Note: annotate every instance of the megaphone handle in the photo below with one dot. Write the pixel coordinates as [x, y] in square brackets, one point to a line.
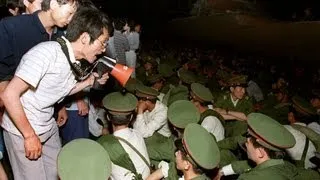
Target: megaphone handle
[100, 70]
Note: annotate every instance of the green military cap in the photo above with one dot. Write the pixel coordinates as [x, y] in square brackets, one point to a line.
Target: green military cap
[313, 136]
[183, 112]
[186, 76]
[165, 70]
[154, 78]
[221, 74]
[146, 92]
[199, 146]
[118, 102]
[303, 106]
[83, 159]
[238, 80]
[269, 133]
[131, 84]
[201, 93]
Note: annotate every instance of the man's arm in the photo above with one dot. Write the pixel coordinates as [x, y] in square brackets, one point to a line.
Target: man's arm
[89, 82]
[11, 100]
[147, 129]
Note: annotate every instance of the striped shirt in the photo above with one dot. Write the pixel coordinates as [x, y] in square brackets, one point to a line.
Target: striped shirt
[121, 45]
[46, 69]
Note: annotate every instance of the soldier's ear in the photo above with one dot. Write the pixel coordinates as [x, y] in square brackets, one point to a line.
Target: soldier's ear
[231, 89]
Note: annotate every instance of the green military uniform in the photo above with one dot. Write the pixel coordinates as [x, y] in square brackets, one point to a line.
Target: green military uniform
[271, 135]
[131, 85]
[83, 159]
[200, 148]
[118, 103]
[171, 78]
[244, 105]
[203, 95]
[141, 73]
[159, 146]
[276, 110]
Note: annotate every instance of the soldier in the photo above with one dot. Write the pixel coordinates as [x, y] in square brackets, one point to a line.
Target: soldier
[278, 111]
[181, 113]
[152, 114]
[126, 146]
[304, 149]
[152, 123]
[267, 138]
[83, 159]
[157, 81]
[235, 106]
[212, 121]
[148, 68]
[181, 91]
[196, 153]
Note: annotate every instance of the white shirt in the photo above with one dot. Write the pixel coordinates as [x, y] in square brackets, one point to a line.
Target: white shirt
[134, 138]
[254, 91]
[46, 69]
[314, 126]
[94, 114]
[213, 126]
[297, 150]
[154, 121]
[234, 102]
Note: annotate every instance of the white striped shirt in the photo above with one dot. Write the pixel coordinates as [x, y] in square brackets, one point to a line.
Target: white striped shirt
[46, 69]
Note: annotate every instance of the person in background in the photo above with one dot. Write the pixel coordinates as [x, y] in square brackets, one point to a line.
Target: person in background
[14, 7]
[134, 41]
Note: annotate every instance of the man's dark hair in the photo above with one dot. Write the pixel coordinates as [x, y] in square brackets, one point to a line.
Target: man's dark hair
[88, 20]
[196, 169]
[118, 24]
[272, 154]
[45, 5]
[13, 4]
[119, 120]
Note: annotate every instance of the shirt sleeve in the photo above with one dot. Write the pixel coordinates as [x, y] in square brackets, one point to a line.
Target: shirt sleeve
[214, 126]
[148, 126]
[121, 173]
[34, 64]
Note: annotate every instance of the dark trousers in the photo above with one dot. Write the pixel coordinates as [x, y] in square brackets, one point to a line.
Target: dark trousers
[76, 127]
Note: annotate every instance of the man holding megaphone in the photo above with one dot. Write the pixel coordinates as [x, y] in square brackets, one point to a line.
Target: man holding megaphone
[46, 75]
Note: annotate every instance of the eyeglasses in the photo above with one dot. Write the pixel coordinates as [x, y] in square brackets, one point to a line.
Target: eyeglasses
[103, 44]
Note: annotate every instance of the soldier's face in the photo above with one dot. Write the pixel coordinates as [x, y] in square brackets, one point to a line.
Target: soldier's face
[238, 92]
[315, 103]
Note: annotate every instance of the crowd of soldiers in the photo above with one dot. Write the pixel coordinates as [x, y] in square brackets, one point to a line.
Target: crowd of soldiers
[191, 116]
[185, 114]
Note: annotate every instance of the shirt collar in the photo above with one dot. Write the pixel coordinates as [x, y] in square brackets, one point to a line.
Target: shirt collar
[234, 102]
[122, 132]
[38, 22]
[70, 51]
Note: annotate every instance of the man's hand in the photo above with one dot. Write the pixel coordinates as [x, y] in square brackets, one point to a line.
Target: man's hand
[62, 116]
[142, 106]
[105, 131]
[95, 76]
[33, 147]
[83, 108]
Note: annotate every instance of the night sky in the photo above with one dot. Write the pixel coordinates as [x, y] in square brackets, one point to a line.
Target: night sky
[162, 10]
